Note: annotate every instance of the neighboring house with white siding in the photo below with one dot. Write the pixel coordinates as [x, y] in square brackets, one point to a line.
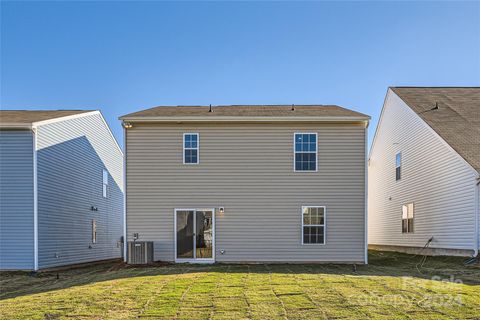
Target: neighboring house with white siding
[61, 189]
[424, 169]
[247, 183]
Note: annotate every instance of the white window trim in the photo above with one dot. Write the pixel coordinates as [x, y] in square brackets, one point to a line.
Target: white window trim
[197, 148]
[295, 152]
[94, 231]
[413, 217]
[193, 260]
[398, 166]
[105, 184]
[324, 225]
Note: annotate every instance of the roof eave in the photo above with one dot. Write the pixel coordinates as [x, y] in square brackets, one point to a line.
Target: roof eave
[16, 126]
[245, 119]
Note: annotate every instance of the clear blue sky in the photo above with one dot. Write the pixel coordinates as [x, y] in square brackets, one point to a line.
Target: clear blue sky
[121, 57]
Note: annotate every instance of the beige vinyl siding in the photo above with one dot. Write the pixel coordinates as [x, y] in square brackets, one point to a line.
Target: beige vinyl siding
[436, 179]
[248, 169]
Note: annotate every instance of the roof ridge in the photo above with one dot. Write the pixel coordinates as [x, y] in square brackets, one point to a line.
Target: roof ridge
[252, 105]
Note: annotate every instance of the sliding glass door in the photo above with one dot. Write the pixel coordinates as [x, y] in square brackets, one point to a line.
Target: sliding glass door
[194, 231]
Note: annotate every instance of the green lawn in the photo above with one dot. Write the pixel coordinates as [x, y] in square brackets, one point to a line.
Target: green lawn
[390, 287]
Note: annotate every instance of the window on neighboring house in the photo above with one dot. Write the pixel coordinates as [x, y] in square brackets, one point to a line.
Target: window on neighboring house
[105, 183]
[313, 225]
[305, 152]
[398, 166]
[407, 218]
[94, 231]
[190, 148]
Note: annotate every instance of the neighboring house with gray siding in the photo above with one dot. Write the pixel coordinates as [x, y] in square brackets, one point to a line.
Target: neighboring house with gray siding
[424, 170]
[247, 183]
[61, 189]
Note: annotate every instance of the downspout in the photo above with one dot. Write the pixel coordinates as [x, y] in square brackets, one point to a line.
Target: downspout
[35, 202]
[124, 194]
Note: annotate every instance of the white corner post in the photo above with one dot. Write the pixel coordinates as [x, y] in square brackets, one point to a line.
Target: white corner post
[124, 194]
[366, 193]
[35, 202]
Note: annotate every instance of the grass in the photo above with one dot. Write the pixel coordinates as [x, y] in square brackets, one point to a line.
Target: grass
[389, 287]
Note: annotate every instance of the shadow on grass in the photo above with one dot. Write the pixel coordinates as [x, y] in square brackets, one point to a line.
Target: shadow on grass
[381, 264]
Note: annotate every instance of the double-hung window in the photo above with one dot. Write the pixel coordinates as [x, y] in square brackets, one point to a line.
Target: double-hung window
[407, 218]
[105, 183]
[398, 166]
[305, 150]
[313, 225]
[190, 148]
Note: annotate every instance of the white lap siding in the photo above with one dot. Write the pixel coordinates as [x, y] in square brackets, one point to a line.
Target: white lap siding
[71, 157]
[433, 176]
[16, 200]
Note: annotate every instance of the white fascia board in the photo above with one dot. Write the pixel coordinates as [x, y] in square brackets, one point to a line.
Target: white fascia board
[385, 101]
[111, 133]
[27, 126]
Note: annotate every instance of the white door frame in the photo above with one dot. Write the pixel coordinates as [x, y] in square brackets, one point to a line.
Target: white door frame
[194, 259]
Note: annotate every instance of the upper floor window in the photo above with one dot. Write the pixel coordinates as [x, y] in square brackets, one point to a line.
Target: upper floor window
[105, 183]
[313, 225]
[190, 148]
[398, 166]
[305, 152]
[407, 218]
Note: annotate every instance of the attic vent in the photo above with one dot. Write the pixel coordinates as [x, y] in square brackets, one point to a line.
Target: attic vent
[431, 109]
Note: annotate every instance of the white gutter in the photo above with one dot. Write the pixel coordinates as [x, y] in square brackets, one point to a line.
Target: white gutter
[125, 195]
[245, 119]
[35, 202]
[4, 125]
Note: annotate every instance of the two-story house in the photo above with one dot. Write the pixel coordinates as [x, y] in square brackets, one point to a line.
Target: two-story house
[247, 183]
[61, 189]
[424, 172]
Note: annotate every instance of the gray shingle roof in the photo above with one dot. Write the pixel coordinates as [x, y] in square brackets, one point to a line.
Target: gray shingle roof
[31, 116]
[246, 111]
[457, 119]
